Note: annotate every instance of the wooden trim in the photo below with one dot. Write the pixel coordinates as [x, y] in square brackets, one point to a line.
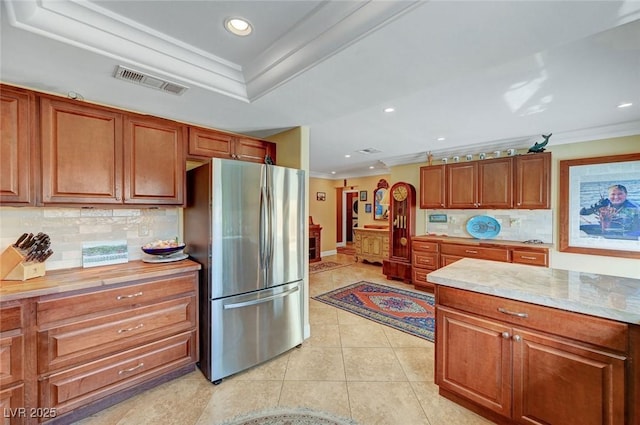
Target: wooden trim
[564, 205]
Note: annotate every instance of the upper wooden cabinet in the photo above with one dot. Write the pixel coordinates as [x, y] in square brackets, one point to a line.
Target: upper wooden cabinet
[217, 144]
[98, 155]
[432, 187]
[16, 147]
[154, 161]
[502, 183]
[533, 180]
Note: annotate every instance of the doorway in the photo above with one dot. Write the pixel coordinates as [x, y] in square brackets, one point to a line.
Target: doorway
[350, 215]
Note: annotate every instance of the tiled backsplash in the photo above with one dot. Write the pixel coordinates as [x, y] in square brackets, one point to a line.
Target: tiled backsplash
[515, 225]
[68, 228]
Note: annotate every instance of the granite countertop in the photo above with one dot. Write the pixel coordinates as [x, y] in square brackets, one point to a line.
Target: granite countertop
[610, 297]
[59, 281]
[481, 242]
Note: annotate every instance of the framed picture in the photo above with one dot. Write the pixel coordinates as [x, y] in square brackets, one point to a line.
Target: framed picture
[600, 205]
[363, 195]
[321, 196]
[367, 208]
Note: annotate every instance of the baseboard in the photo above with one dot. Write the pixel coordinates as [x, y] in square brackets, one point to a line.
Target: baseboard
[327, 253]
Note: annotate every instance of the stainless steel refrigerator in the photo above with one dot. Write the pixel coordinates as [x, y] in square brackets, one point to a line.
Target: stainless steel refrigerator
[244, 223]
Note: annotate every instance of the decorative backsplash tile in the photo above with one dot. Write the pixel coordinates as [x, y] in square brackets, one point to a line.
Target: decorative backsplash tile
[68, 228]
[515, 225]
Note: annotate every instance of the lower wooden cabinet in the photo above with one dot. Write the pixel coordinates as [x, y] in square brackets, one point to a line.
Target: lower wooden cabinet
[530, 375]
[425, 258]
[371, 245]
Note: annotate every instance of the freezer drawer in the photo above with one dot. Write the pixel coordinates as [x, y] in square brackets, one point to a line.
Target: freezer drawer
[252, 328]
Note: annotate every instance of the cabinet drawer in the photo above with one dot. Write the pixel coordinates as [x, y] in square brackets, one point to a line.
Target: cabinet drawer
[427, 261]
[420, 279]
[425, 246]
[534, 258]
[10, 317]
[126, 297]
[579, 327]
[11, 359]
[78, 386]
[471, 251]
[11, 400]
[85, 340]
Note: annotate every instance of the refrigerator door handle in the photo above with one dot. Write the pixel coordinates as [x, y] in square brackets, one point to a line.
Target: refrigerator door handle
[261, 300]
[264, 226]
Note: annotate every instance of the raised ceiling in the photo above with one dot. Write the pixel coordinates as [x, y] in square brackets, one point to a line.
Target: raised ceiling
[484, 75]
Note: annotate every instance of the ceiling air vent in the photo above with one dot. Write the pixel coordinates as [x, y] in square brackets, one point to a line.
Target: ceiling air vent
[368, 151]
[147, 80]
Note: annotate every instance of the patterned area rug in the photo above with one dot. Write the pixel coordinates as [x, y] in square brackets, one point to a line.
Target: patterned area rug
[407, 311]
[324, 266]
[289, 416]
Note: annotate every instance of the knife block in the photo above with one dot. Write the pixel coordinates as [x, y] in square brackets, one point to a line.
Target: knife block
[14, 267]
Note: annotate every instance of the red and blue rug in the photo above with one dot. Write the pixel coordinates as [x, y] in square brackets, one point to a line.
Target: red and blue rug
[407, 311]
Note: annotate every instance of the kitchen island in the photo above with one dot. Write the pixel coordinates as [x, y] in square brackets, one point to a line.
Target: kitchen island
[76, 341]
[525, 344]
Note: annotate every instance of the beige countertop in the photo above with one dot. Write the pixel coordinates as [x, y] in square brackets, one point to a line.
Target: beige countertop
[481, 242]
[59, 281]
[610, 297]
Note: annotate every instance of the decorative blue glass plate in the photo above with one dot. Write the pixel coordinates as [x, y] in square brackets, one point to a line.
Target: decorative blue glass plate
[483, 227]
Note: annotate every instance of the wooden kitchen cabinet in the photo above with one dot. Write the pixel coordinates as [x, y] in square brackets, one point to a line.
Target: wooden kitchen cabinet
[538, 365]
[480, 184]
[154, 161]
[533, 181]
[207, 143]
[17, 148]
[425, 258]
[372, 245]
[433, 187]
[12, 361]
[462, 185]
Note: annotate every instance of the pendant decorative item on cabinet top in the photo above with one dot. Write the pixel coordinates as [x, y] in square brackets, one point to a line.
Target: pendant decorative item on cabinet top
[402, 212]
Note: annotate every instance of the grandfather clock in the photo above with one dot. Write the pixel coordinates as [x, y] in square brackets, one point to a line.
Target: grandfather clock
[402, 219]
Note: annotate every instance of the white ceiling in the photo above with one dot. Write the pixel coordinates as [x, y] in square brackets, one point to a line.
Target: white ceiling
[485, 75]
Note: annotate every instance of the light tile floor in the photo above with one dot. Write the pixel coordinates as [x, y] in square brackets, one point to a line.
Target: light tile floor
[350, 366]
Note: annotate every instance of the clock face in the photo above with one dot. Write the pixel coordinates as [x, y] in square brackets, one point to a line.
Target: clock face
[400, 193]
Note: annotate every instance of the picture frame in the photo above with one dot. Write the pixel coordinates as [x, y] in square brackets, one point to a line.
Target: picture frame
[321, 196]
[367, 208]
[363, 195]
[600, 206]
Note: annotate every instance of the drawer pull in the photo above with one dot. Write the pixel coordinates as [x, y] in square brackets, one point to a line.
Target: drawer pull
[517, 338]
[512, 313]
[122, 297]
[131, 369]
[506, 335]
[121, 331]
[528, 257]
[470, 251]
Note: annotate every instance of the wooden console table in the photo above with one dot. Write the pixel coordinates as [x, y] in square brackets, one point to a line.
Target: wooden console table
[372, 245]
[315, 245]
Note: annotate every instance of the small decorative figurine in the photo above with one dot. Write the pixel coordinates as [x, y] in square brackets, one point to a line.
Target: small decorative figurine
[539, 147]
[430, 158]
[268, 160]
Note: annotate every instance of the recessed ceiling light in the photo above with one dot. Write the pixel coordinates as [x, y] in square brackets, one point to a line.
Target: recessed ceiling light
[333, 172]
[371, 167]
[440, 139]
[238, 26]
[389, 109]
[347, 156]
[625, 105]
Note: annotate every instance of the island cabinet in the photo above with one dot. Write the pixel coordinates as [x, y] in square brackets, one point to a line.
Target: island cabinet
[17, 149]
[516, 362]
[206, 143]
[372, 245]
[97, 155]
[12, 361]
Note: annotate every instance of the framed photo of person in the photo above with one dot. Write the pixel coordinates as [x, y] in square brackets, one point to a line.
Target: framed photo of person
[321, 196]
[600, 205]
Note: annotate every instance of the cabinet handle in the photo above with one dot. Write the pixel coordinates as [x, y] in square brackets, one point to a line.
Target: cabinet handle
[121, 331]
[527, 257]
[470, 251]
[517, 338]
[506, 335]
[512, 313]
[122, 297]
[131, 369]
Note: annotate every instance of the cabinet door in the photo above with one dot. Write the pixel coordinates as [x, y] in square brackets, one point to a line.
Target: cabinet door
[81, 153]
[533, 177]
[557, 382]
[154, 161]
[462, 185]
[474, 359]
[495, 183]
[432, 187]
[253, 150]
[16, 115]
[210, 143]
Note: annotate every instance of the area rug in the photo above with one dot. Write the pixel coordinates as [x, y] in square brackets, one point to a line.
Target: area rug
[407, 311]
[324, 266]
[289, 416]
